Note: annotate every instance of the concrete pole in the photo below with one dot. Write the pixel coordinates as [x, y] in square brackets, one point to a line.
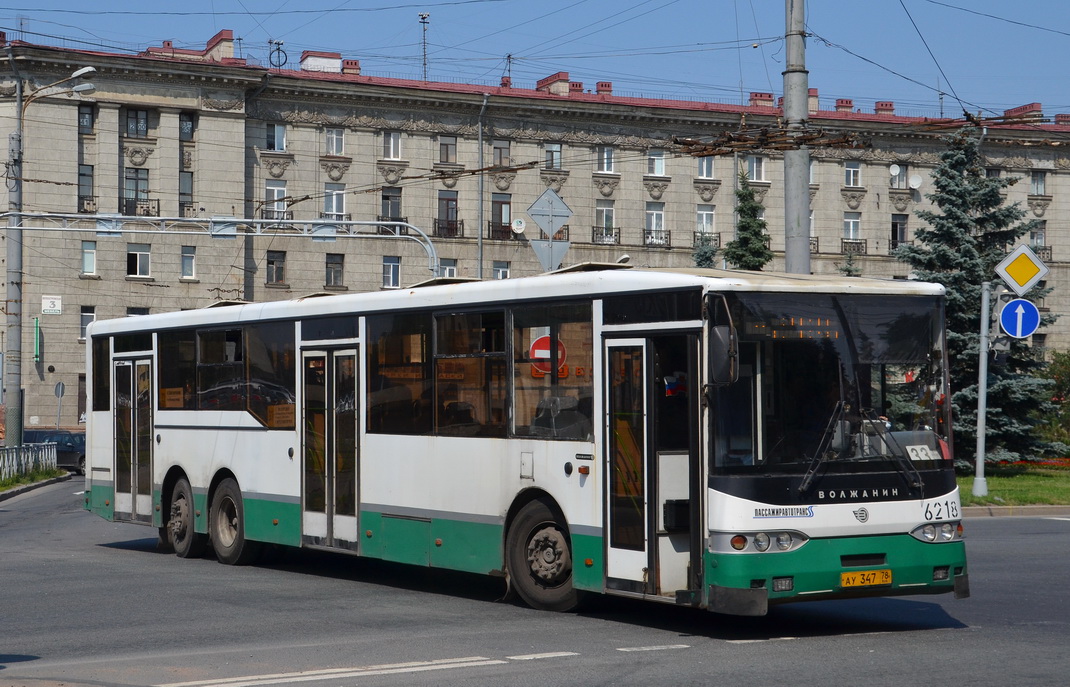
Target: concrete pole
[980, 485]
[482, 174]
[796, 162]
[13, 355]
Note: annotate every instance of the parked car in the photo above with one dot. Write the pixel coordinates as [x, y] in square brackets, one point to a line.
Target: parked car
[70, 446]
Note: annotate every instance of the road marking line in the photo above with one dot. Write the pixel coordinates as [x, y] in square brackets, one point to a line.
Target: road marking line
[664, 647]
[312, 675]
[760, 641]
[1063, 519]
[532, 657]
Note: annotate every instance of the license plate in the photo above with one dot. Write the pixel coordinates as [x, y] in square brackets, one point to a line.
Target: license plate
[866, 578]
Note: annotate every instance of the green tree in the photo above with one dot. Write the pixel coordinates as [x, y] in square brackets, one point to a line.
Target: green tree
[750, 249]
[705, 251]
[1058, 427]
[967, 235]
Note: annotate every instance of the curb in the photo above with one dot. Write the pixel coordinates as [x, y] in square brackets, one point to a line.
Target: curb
[1015, 511]
[23, 488]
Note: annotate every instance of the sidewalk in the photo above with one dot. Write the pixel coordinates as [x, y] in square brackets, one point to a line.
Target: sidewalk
[1008, 511]
[23, 488]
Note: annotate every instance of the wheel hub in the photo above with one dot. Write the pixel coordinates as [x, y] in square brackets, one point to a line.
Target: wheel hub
[549, 556]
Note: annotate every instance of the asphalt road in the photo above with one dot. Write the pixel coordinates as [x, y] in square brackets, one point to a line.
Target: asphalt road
[87, 602]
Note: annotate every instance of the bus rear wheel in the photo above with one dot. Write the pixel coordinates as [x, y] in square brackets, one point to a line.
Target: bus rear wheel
[180, 534]
[539, 558]
[227, 518]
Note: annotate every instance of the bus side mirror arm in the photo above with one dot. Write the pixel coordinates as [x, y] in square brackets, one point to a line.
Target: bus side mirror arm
[724, 361]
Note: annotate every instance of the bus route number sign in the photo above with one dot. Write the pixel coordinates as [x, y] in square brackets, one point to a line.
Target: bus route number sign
[539, 354]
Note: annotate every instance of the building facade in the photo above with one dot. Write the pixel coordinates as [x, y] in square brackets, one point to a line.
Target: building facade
[193, 177]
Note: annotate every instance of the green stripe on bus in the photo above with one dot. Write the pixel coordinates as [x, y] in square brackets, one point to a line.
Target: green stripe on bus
[816, 566]
[436, 542]
[589, 577]
[102, 500]
[274, 522]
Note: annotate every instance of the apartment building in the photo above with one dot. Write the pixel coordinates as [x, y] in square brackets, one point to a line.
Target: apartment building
[190, 177]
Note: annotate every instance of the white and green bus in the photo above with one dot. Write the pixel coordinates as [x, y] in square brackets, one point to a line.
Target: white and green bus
[726, 440]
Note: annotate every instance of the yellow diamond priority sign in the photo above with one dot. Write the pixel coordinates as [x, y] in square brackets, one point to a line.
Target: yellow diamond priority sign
[1021, 270]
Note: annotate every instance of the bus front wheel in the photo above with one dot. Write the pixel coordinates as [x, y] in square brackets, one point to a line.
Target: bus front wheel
[539, 558]
[180, 534]
[228, 526]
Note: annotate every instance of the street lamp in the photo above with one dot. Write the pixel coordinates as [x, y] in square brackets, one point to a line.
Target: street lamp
[13, 420]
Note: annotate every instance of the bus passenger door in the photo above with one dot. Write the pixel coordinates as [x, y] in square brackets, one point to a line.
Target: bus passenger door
[133, 439]
[652, 466]
[628, 552]
[329, 448]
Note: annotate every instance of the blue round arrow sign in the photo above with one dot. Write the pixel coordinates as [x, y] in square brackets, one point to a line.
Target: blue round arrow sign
[1019, 318]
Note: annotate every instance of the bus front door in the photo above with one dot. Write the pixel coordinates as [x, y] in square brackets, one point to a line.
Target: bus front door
[652, 504]
[133, 440]
[329, 448]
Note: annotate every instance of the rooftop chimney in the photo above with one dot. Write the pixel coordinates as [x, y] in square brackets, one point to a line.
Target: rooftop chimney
[885, 107]
[220, 46]
[811, 101]
[351, 67]
[604, 88]
[1030, 111]
[507, 82]
[845, 105]
[1063, 119]
[555, 84]
[317, 61]
[761, 99]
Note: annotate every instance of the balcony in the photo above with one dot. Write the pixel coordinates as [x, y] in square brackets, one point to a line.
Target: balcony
[713, 238]
[815, 246]
[1043, 252]
[502, 231]
[87, 205]
[336, 216]
[139, 207]
[449, 228]
[605, 236]
[274, 213]
[895, 243]
[187, 208]
[656, 238]
[853, 246]
[392, 230]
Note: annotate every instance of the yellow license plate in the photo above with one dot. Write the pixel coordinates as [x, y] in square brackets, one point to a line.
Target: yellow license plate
[866, 578]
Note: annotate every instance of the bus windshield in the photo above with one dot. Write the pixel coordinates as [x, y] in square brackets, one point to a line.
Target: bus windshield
[852, 381]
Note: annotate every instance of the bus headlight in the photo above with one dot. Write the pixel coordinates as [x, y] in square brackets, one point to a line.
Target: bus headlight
[761, 541]
[928, 533]
[938, 532]
[783, 541]
[947, 532]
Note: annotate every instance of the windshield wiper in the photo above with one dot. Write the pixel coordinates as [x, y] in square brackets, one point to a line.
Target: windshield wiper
[835, 427]
[898, 455]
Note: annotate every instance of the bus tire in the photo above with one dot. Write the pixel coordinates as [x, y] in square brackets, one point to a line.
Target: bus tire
[186, 542]
[539, 558]
[227, 518]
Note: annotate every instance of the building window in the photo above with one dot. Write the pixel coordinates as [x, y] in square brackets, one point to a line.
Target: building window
[993, 172]
[391, 271]
[86, 119]
[185, 194]
[335, 140]
[189, 262]
[604, 158]
[391, 145]
[501, 214]
[852, 225]
[391, 204]
[500, 153]
[603, 214]
[755, 168]
[449, 267]
[900, 179]
[705, 167]
[137, 260]
[136, 312]
[135, 191]
[1038, 234]
[334, 201]
[89, 257]
[447, 149]
[274, 203]
[852, 173]
[655, 225]
[500, 269]
[335, 269]
[86, 199]
[655, 163]
[276, 267]
[553, 155]
[185, 126]
[276, 137]
[899, 230]
[137, 123]
[447, 212]
[1038, 182]
[704, 223]
[89, 314]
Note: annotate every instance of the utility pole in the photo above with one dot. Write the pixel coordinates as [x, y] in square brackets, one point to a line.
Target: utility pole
[796, 161]
[424, 21]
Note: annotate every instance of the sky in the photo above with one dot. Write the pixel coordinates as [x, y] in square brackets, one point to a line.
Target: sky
[930, 57]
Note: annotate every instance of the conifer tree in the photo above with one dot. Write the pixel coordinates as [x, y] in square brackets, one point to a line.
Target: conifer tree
[967, 235]
[705, 251]
[750, 249]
